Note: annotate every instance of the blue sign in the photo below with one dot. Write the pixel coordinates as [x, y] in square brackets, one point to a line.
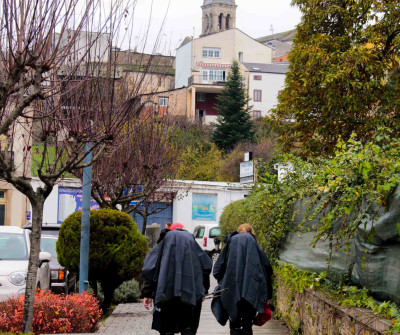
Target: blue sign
[204, 207]
[70, 201]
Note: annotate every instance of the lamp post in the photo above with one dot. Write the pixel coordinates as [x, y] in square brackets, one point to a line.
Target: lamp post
[85, 222]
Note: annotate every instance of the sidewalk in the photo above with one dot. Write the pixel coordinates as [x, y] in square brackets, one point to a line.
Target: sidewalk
[134, 319]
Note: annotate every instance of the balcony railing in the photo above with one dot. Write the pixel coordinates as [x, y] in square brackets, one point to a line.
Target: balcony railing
[207, 80]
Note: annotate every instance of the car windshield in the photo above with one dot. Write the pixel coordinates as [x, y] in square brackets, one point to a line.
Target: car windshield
[13, 247]
[49, 245]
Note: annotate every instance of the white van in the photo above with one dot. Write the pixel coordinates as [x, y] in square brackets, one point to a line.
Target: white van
[205, 236]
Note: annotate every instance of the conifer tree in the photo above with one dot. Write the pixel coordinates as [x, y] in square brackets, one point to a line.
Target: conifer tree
[234, 124]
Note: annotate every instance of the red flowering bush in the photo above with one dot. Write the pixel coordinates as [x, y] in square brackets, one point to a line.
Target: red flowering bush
[76, 313]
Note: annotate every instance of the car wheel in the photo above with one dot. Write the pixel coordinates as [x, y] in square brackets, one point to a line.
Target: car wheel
[214, 256]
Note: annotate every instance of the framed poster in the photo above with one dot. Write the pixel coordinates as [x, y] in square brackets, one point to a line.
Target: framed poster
[69, 201]
[204, 207]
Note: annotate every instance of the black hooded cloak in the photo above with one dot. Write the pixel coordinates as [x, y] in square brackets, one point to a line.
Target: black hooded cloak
[243, 271]
[178, 267]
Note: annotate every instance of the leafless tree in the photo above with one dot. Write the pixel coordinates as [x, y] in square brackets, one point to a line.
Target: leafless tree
[136, 169]
[57, 93]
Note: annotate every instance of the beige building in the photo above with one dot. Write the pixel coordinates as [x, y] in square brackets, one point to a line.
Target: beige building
[14, 206]
[202, 65]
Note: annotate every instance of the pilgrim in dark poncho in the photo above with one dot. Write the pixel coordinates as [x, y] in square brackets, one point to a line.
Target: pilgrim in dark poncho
[243, 272]
[176, 277]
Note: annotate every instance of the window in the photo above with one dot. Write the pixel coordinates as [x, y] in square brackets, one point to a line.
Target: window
[200, 114]
[199, 232]
[201, 97]
[257, 77]
[213, 75]
[211, 52]
[240, 56]
[215, 232]
[256, 114]
[163, 102]
[257, 95]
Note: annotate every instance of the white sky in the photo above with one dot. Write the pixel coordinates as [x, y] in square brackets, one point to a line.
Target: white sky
[254, 17]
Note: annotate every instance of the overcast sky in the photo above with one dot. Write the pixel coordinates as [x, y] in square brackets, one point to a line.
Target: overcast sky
[254, 17]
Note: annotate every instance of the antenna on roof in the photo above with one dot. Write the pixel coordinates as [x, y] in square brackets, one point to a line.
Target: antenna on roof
[272, 29]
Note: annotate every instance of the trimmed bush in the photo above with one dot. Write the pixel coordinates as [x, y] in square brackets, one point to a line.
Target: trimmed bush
[233, 216]
[117, 249]
[76, 313]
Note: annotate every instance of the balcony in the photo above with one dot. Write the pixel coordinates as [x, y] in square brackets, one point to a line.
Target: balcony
[207, 80]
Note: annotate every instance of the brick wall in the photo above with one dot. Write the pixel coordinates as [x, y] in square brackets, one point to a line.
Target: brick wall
[311, 312]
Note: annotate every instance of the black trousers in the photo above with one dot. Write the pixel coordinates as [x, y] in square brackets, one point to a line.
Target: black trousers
[244, 321]
[175, 316]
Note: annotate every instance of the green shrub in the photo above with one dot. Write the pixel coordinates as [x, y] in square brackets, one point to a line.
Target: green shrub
[233, 216]
[117, 249]
[126, 293]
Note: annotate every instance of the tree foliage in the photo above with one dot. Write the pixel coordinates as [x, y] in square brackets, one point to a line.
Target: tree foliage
[234, 123]
[344, 74]
[117, 249]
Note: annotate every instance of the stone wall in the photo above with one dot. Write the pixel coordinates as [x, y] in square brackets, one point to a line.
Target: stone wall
[311, 312]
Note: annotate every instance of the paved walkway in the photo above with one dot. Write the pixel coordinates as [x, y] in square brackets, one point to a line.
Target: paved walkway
[134, 319]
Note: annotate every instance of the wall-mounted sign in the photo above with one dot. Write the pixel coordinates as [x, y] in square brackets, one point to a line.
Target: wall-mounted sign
[204, 207]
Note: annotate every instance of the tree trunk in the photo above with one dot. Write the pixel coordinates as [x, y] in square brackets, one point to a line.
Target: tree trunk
[144, 222]
[108, 291]
[37, 217]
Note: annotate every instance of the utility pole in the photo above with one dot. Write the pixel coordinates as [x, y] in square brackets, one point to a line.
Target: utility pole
[85, 222]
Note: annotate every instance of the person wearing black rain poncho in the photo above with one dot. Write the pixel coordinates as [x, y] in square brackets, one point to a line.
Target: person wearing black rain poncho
[176, 277]
[243, 272]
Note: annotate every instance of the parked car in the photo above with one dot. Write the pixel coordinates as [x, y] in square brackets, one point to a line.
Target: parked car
[14, 259]
[207, 236]
[62, 280]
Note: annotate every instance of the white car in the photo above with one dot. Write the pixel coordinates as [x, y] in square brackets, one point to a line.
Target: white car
[206, 236]
[14, 258]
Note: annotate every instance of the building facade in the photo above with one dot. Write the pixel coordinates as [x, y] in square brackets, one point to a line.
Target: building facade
[264, 83]
[203, 64]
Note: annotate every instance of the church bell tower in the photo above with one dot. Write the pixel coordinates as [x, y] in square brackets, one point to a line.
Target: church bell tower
[218, 15]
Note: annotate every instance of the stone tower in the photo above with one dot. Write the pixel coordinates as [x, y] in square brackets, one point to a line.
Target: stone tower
[218, 15]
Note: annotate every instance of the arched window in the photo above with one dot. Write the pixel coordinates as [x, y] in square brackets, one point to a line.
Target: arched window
[228, 18]
[220, 21]
[207, 23]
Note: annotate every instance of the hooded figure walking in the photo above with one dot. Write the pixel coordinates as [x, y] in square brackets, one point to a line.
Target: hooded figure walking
[244, 273]
[176, 277]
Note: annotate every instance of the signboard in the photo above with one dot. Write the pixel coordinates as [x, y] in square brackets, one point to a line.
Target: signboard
[69, 201]
[204, 207]
[28, 215]
[247, 172]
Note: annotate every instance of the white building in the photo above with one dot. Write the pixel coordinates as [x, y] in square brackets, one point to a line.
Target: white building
[196, 202]
[265, 81]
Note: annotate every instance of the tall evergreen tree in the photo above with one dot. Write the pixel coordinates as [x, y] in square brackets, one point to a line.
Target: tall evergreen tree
[234, 124]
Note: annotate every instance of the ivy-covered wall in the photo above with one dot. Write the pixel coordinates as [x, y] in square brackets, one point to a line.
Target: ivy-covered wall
[339, 216]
